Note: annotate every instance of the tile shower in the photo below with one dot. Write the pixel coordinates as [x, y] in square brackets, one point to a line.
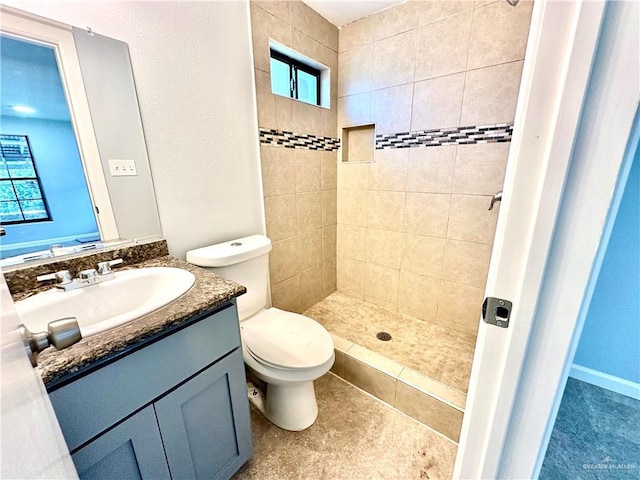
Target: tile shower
[401, 239]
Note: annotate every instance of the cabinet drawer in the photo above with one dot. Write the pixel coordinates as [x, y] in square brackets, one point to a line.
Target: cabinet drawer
[93, 403]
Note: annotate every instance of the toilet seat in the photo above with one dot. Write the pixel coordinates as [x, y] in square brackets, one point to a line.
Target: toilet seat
[286, 340]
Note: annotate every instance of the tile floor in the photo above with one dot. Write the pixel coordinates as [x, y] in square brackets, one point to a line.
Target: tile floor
[355, 437]
[596, 435]
[440, 353]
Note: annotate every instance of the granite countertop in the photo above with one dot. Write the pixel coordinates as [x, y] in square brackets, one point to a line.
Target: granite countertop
[208, 292]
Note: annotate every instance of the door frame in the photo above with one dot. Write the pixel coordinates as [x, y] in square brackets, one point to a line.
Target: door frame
[548, 233]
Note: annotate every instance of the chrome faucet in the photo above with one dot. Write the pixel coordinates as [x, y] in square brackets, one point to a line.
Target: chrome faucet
[90, 276]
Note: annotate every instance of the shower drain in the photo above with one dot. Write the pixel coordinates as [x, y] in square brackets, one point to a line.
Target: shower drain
[384, 336]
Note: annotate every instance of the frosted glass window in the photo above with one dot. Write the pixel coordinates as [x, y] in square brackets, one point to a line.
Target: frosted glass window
[294, 79]
[280, 78]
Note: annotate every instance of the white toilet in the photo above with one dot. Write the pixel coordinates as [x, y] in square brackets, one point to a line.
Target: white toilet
[286, 350]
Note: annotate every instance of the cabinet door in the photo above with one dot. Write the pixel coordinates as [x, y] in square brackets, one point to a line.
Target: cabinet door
[205, 422]
[130, 450]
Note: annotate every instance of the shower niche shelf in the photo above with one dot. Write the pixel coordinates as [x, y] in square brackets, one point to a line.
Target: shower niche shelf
[358, 143]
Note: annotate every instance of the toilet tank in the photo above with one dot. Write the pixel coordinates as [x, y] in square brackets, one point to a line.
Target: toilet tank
[244, 261]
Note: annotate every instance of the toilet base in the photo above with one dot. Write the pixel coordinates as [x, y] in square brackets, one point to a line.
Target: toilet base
[291, 407]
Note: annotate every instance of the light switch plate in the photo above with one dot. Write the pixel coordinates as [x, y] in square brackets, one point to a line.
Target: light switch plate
[122, 168]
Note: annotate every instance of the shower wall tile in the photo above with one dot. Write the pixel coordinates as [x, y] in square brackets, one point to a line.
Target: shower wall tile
[381, 283]
[311, 286]
[308, 20]
[395, 20]
[394, 60]
[434, 10]
[301, 42]
[466, 263]
[329, 207]
[279, 9]
[460, 305]
[307, 118]
[437, 102]
[310, 249]
[383, 247]
[423, 255]
[307, 167]
[354, 74]
[418, 293]
[470, 219]
[329, 235]
[356, 34]
[284, 260]
[309, 208]
[329, 118]
[428, 410]
[354, 110]
[443, 47]
[353, 175]
[389, 171]
[329, 276]
[280, 212]
[385, 210]
[499, 33]
[278, 170]
[351, 241]
[284, 113]
[491, 94]
[265, 100]
[480, 168]
[263, 27]
[391, 109]
[427, 214]
[436, 65]
[431, 169]
[286, 294]
[329, 170]
[299, 184]
[350, 276]
[350, 207]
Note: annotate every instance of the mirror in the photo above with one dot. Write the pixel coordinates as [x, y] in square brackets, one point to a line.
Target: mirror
[97, 81]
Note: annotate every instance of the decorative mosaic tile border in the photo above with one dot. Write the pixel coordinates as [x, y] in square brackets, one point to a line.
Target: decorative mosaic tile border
[500, 132]
[298, 140]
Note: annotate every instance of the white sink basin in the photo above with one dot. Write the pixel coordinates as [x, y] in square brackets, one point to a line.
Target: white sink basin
[100, 307]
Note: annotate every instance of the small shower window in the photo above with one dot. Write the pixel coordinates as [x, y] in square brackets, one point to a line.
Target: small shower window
[295, 76]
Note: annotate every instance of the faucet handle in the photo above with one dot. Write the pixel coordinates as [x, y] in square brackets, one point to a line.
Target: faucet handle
[63, 277]
[104, 268]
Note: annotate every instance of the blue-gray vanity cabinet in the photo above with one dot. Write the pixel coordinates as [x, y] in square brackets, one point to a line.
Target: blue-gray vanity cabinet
[176, 408]
[132, 449]
[201, 422]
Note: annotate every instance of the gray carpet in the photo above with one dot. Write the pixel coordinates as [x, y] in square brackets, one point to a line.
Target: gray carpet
[596, 436]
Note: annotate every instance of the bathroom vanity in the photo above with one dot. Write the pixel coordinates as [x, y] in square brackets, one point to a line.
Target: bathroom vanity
[176, 408]
[163, 396]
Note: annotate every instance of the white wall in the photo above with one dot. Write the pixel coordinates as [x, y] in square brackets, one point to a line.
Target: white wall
[193, 73]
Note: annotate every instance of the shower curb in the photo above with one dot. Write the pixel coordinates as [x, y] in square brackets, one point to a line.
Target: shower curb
[428, 401]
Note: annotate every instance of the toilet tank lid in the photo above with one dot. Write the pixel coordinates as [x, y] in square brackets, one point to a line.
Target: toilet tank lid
[230, 252]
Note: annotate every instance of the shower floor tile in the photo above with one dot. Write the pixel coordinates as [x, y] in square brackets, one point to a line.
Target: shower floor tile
[440, 353]
[355, 437]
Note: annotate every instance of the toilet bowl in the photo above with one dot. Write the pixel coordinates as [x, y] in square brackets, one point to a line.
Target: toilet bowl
[285, 350]
[288, 352]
